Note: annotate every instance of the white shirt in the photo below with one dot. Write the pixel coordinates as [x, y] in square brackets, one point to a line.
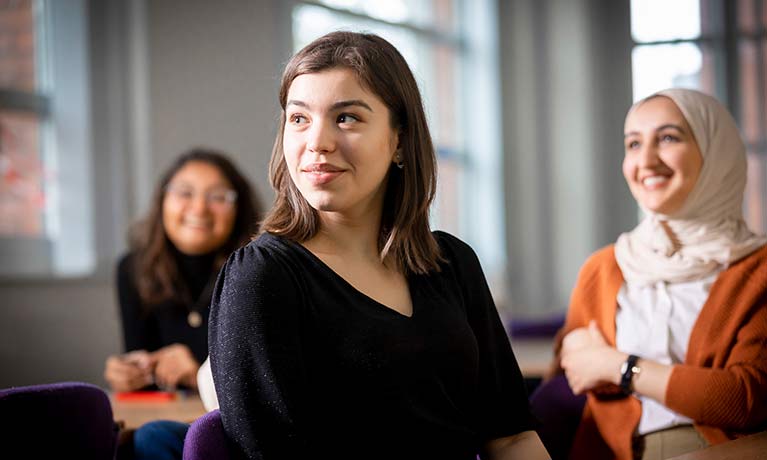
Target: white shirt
[654, 322]
[205, 386]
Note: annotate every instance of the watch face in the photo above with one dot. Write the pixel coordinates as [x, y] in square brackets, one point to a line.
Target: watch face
[628, 369]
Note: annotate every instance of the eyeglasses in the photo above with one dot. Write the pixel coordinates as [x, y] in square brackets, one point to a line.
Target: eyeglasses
[216, 198]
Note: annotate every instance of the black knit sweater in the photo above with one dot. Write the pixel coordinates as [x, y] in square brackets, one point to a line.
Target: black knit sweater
[153, 326]
[306, 366]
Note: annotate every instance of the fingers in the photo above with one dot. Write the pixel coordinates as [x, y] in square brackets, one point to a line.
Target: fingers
[596, 334]
[124, 375]
[175, 366]
[141, 358]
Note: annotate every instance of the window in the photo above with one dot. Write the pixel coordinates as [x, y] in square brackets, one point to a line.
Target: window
[716, 46]
[45, 221]
[441, 40]
[23, 110]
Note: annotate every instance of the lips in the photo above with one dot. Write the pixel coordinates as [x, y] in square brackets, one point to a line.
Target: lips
[655, 181]
[200, 224]
[322, 173]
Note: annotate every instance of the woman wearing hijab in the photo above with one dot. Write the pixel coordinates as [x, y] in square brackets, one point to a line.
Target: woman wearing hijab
[667, 328]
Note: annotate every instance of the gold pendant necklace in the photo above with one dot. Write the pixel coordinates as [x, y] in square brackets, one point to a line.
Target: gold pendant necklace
[194, 319]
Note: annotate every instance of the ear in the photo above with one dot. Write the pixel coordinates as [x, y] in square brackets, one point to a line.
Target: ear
[397, 154]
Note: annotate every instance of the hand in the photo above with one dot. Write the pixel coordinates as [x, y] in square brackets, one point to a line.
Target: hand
[588, 361]
[583, 337]
[175, 366]
[130, 371]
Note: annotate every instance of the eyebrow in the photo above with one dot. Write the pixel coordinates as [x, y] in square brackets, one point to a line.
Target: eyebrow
[659, 128]
[336, 105]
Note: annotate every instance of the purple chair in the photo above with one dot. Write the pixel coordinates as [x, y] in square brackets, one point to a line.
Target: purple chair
[559, 412]
[206, 439]
[58, 420]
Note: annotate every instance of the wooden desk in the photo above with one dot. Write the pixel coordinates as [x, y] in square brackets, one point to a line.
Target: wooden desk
[752, 447]
[185, 408]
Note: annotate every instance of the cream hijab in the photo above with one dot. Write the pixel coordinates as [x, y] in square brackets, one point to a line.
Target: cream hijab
[707, 233]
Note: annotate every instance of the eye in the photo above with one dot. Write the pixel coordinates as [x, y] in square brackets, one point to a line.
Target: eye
[297, 119]
[347, 118]
[668, 138]
[631, 145]
[181, 192]
[217, 197]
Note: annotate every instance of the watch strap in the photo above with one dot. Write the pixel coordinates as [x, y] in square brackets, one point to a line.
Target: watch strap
[628, 370]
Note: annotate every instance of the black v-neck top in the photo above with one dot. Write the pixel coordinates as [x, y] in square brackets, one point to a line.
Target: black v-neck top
[307, 366]
[153, 326]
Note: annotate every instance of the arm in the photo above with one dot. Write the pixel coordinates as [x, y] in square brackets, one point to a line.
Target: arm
[138, 332]
[133, 370]
[525, 445]
[734, 396]
[732, 393]
[503, 407]
[598, 282]
[590, 363]
[256, 355]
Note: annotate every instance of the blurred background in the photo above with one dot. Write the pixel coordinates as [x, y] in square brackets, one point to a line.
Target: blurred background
[526, 101]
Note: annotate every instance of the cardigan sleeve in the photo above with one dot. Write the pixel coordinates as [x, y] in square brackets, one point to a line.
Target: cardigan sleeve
[733, 396]
[503, 401]
[256, 357]
[591, 299]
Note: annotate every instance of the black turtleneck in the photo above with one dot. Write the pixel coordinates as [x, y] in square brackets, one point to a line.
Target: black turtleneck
[151, 327]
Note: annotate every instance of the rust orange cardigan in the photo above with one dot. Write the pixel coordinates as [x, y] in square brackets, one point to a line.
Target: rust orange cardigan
[721, 386]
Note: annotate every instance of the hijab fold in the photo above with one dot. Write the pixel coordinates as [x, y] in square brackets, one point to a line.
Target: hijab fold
[708, 232]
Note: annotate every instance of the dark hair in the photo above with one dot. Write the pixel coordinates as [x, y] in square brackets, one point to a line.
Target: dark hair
[157, 276]
[405, 238]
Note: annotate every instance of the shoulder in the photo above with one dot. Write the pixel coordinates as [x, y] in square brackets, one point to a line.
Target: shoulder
[265, 259]
[125, 262]
[126, 269]
[750, 262]
[261, 276]
[746, 274]
[601, 261]
[453, 249]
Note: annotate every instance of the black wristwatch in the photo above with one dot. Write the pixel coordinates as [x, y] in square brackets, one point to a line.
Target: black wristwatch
[628, 370]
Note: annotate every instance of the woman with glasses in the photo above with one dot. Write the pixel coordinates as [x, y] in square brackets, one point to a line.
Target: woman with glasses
[203, 209]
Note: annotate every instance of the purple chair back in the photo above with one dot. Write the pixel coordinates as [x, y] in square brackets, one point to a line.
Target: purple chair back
[58, 420]
[559, 412]
[206, 439]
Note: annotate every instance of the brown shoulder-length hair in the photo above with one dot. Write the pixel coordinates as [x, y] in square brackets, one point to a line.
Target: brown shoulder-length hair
[405, 238]
[154, 266]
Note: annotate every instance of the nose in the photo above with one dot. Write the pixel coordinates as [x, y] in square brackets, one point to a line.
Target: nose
[648, 155]
[199, 203]
[321, 137]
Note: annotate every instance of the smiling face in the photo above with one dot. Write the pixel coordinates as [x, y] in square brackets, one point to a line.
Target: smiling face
[338, 143]
[662, 161]
[198, 209]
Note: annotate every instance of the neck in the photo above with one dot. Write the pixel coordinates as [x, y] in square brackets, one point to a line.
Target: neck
[347, 237]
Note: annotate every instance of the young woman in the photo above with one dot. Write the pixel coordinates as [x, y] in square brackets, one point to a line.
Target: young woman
[348, 329]
[203, 209]
[667, 329]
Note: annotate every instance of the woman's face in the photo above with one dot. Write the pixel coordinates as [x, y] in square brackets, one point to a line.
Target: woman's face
[662, 161]
[199, 208]
[338, 143]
